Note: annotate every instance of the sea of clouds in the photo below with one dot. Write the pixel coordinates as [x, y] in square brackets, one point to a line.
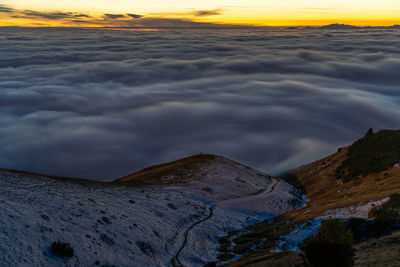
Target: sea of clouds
[100, 104]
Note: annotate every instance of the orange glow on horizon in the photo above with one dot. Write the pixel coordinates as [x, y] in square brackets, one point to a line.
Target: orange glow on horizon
[320, 22]
[278, 15]
[233, 22]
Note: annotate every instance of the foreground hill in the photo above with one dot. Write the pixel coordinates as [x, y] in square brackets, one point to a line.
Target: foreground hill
[346, 184]
[223, 181]
[167, 215]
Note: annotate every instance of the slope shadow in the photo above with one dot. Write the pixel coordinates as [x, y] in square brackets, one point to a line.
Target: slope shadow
[294, 181]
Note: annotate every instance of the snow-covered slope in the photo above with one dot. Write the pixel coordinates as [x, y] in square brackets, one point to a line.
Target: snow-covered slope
[143, 225]
[226, 182]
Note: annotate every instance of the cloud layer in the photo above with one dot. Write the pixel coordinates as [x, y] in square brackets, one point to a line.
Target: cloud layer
[100, 103]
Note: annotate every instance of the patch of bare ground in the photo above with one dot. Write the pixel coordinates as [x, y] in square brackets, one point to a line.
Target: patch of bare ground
[384, 251]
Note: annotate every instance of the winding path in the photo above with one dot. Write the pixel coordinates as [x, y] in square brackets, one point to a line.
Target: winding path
[266, 191]
[273, 187]
[175, 260]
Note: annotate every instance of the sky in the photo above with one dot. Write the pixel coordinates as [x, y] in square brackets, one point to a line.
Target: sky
[102, 103]
[177, 13]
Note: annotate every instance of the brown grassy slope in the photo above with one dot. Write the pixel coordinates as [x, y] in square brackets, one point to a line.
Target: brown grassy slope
[324, 192]
[174, 172]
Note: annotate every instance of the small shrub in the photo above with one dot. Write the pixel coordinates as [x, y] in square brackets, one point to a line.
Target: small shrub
[389, 211]
[361, 229]
[145, 247]
[63, 250]
[395, 200]
[106, 220]
[207, 189]
[332, 246]
[365, 229]
[384, 214]
[108, 240]
[171, 206]
[45, 217]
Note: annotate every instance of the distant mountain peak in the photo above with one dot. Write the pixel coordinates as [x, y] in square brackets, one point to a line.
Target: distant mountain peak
[338, 26]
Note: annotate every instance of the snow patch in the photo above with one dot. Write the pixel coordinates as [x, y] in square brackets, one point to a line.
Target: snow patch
[305, 230]
[239, 256]
[360, 210]
[298, 235]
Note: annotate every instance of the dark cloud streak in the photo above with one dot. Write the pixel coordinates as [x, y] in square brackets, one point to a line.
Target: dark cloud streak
[114, 16]
[135, 16]
[6, 9]
[206, 13]
[53, 15]
[32, 14]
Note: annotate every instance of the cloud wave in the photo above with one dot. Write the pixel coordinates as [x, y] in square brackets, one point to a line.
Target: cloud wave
[101, 103]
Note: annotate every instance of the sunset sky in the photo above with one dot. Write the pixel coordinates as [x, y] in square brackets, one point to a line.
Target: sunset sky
[159, 13]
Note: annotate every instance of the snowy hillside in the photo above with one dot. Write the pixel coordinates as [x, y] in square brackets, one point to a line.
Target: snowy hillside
[226, 182]
[125, 225]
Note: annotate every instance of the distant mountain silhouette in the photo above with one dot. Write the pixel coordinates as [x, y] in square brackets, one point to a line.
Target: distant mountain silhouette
[338, 26]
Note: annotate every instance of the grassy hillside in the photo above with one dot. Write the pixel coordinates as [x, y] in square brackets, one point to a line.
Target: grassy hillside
[373, 153]
[179, 169]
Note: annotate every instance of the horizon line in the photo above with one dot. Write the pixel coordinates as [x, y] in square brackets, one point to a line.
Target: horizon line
[217, 26]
